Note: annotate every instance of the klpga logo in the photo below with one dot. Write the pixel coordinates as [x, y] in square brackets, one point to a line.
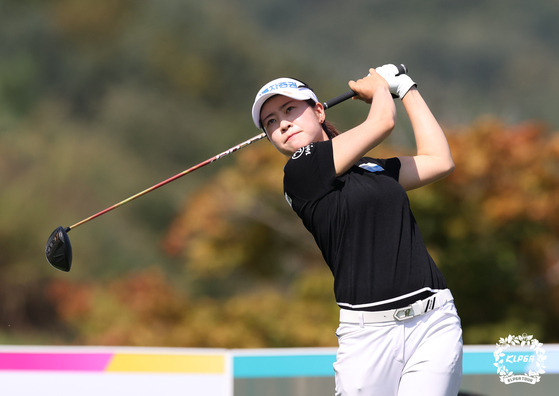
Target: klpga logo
[519, 359]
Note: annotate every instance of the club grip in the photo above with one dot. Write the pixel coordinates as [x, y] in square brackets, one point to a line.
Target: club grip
[402, 69]
[339, 99]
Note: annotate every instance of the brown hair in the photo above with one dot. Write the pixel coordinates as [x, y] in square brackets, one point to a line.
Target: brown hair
[330, 129]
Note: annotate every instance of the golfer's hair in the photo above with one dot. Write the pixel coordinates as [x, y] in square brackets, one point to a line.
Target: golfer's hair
[328, 128]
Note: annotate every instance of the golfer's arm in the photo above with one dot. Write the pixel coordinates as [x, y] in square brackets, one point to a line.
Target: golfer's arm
[433, 160]
[350, 146]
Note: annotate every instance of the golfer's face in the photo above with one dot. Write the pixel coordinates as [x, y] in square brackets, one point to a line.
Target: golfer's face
[292, 124]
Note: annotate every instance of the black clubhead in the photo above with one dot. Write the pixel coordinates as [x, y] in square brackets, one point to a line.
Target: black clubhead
[59, 250]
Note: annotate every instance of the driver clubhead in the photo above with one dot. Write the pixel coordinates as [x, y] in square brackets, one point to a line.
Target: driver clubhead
[58, 250]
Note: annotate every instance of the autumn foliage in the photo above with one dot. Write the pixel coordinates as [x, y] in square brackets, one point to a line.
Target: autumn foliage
[252, 276]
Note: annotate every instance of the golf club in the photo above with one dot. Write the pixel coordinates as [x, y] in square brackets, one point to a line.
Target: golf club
[58, 249]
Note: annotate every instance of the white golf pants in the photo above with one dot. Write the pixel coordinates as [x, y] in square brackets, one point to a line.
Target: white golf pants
[418, 356]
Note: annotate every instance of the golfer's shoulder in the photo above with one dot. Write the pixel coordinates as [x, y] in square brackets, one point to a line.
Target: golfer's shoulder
[310, 158]
[310, 171]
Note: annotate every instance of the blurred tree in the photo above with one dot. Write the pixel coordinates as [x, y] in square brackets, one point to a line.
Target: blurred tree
[146, 309]
[97, 100]
[251, 270]
[493, 226]
[240, 224]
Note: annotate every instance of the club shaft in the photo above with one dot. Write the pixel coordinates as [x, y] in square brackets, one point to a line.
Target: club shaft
[169, 180]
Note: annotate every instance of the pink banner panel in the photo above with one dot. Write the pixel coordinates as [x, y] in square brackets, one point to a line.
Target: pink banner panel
[55, 361]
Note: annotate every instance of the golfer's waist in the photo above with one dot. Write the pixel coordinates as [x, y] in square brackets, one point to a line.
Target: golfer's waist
[417, 308]
[370, 303]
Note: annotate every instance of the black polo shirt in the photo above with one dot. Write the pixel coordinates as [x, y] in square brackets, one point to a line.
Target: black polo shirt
[363, 224]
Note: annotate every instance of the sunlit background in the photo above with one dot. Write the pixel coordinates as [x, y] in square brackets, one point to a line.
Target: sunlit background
[101, 99]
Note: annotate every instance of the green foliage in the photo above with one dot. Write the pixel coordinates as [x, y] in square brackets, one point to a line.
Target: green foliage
[99, 100]
[493, 226]
[251, 270]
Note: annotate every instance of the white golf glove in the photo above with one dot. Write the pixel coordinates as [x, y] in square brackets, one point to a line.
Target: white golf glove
[399, 85]
[405, 83]
[388, 72]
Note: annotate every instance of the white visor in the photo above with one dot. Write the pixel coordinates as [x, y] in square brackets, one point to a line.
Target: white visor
[281, 86]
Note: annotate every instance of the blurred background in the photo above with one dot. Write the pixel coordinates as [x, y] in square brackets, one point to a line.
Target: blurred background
[99, 100]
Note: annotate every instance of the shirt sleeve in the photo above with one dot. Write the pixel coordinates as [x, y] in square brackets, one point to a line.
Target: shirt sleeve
[309, 174]
[391, 166]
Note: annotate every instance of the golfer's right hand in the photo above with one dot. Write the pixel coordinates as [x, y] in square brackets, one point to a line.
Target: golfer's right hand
[399, 84]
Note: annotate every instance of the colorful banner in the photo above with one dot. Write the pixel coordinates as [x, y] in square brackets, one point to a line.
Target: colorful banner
[92, 371]
[61, 371]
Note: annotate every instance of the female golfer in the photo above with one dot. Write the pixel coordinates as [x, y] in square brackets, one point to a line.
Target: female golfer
[399, 331]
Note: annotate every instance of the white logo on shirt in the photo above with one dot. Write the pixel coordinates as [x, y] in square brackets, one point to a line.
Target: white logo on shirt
[303, 150]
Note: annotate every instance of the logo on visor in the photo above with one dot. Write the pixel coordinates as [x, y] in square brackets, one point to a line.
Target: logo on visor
[281, 85]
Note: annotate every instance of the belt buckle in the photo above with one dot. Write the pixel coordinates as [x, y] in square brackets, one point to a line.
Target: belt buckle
[404, 313]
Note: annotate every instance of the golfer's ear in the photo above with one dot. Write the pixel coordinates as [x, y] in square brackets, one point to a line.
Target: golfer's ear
[320, 112]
